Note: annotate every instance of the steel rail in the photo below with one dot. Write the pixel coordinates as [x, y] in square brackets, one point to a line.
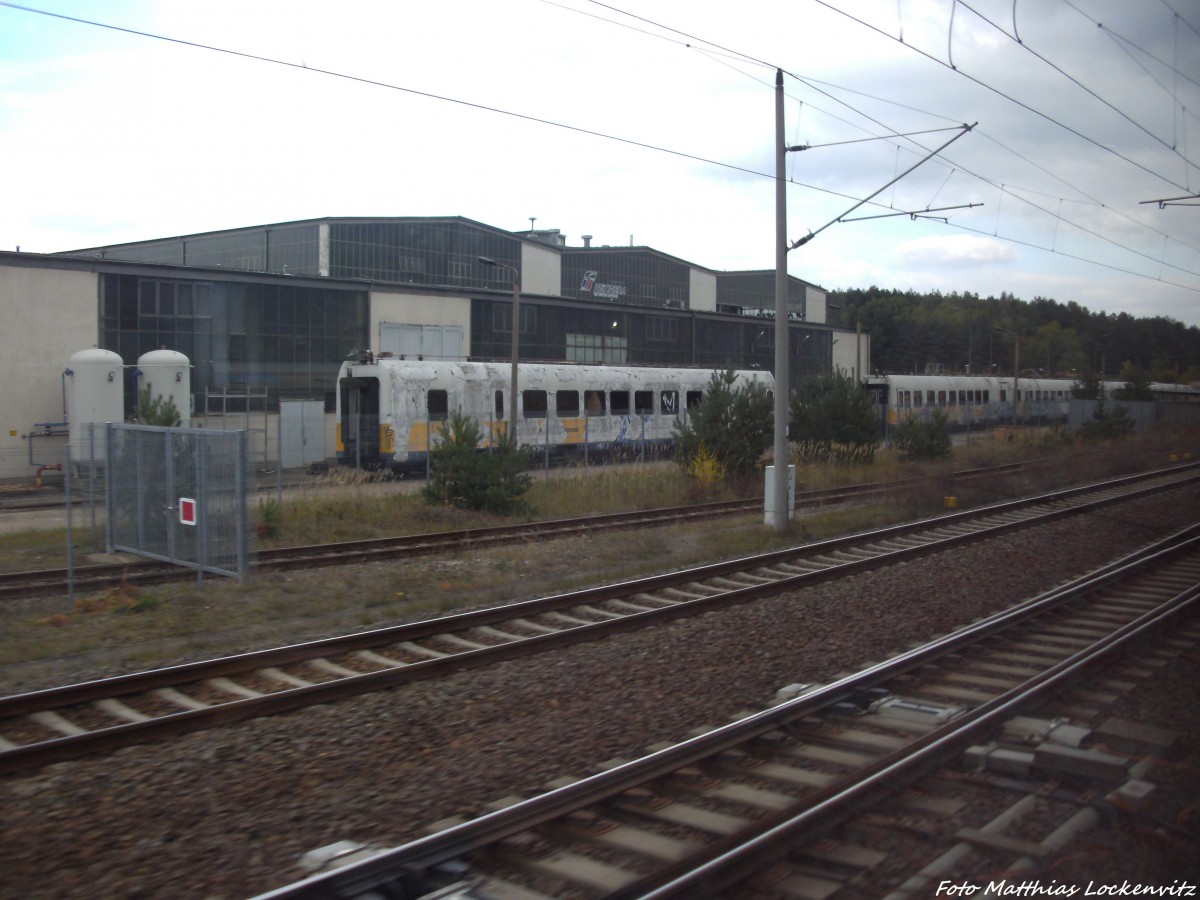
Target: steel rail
[727, 860]
[286, 700]
[14, 585]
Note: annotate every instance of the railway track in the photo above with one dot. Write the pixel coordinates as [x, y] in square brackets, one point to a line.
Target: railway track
[95, 578]
[76, 720]
[748, 808]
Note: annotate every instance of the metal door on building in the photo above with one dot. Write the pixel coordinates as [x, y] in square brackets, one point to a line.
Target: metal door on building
[301, 433]
[179, 495]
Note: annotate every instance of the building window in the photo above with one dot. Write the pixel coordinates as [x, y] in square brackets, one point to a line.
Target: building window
[240, 337]
[662, 329]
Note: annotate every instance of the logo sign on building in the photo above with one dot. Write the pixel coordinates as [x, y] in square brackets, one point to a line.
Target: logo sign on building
[601, 290]
[187, 511]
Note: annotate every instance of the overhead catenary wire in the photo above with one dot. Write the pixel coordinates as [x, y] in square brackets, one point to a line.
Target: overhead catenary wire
[1020, 103]
[711, 48]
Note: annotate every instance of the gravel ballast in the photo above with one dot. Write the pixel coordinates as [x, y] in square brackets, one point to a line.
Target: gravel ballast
[227, 813]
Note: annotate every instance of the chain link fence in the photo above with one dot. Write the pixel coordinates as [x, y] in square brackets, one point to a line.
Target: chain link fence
[178, 495]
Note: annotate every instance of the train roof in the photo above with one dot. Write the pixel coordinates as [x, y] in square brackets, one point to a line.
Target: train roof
[473, 370]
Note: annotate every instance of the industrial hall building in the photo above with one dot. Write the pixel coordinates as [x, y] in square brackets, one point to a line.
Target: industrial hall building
[267, 314]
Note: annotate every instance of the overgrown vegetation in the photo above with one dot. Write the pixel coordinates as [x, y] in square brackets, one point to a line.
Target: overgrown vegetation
[1107, 422]
[923, 439]
[729, 431]
[466, 477]
[833, 420]
[50, 640]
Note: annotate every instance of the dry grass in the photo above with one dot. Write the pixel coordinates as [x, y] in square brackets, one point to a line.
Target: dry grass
[52, 640]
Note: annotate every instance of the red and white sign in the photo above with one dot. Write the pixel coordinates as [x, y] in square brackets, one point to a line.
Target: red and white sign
[187, 511]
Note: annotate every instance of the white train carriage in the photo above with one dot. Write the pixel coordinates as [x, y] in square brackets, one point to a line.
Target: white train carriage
[977, 402]
[970, 401]
[390, 411]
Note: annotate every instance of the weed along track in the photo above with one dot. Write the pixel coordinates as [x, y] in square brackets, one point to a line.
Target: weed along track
[92, 578]
[72, 721]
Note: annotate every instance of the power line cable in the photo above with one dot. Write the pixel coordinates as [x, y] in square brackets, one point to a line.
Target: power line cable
[1079, 134]
[525, 117]
[1075, 81]
[810, 83]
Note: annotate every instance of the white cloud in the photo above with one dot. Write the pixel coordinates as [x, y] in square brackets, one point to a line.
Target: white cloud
[956, 250]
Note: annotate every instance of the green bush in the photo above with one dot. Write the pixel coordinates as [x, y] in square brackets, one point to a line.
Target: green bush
[1105, 425]
[918, 439]
[467, 477]
[733, 425]
[157, 411]
[833, 420]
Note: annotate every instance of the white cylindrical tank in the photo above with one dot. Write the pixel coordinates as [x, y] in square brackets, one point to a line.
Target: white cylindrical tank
[167, 374]
[95, 395]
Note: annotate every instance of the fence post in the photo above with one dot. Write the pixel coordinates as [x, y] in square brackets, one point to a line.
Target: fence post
[110, 502]
[241, 464]
[70, 533]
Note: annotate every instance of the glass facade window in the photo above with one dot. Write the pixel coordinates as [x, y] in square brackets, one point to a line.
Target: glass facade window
[632, 277]
[422, 252]
[287, 249]
[750, 291]
[286, 340]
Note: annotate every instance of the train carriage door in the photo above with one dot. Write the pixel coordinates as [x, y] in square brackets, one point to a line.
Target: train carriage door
[359, 426]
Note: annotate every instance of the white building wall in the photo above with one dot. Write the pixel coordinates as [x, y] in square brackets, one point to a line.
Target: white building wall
[541, 270]
[417, 309]
[816, 308]
[702, 291]
[47, 315]
[852, 354]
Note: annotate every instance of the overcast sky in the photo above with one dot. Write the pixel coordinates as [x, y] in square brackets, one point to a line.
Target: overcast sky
[649, 122]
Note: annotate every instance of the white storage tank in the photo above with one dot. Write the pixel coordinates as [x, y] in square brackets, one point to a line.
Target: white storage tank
[167, 374]
[95, 395]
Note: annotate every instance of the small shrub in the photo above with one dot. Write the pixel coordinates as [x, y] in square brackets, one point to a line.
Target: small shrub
[466, 477]
[917, 439]
[157, 411]
[705, 468]
[734, 423]
[270, 515]
[1105, 425]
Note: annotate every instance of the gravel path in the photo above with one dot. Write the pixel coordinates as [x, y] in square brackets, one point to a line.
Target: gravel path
[227, 813]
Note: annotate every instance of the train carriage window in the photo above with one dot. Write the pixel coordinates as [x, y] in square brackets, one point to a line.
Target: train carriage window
[643, 403]
[499, 404]
[962, 398]
[987, 396]
[941, 398]
[1003, 395]
[929, 398]
[534, 403]
[566, 403]
[618, 402]
[917, 395]
[668, 403]
[694, 398]
[437, 404]
[593, 402]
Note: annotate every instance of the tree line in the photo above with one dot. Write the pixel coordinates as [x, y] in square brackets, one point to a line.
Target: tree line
[965, 333]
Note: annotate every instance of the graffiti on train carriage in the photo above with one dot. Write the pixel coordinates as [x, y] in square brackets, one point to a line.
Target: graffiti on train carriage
[390, 411]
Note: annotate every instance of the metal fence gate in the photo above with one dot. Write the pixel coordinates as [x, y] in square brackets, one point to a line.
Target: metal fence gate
[179, 495]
